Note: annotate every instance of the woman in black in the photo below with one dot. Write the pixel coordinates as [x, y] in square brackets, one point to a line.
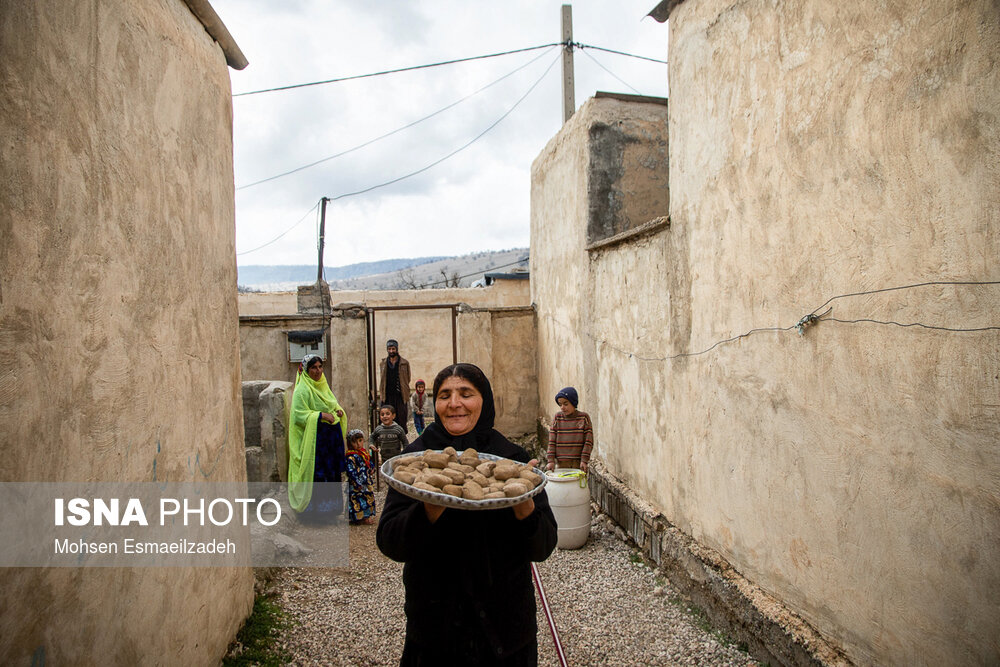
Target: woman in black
[469, 595]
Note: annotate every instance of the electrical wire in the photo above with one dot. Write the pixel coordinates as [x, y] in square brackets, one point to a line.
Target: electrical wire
[688, 354]
[620, 53]
[247, 252]
[620, 80]
[902, 287]
[397, 130]
[396, 71]
[474, 273]
[422, 169]
[448, 280]
[911, 324]
[812, 318]
[457, 150]
[729, 340]
[446, 62]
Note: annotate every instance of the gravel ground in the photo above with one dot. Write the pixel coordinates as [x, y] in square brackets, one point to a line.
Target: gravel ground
[610, 609]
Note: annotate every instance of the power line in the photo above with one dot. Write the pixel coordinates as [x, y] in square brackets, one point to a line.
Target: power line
[446, 62]
[728, 340]
[812, 318]
[474, 273]
[910, 324]
[425, 168]
[620, 80]
[396, 71]
[620, 53]
[457, 150]
[247, 252]
[397, 130]
[902, 287]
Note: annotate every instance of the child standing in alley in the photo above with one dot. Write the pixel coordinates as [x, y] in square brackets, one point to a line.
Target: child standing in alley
[571, 437]
[388, 438]
[421, 406]
[360, 473]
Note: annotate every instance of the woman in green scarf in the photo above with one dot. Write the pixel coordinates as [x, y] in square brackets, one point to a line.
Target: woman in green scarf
[316, 450]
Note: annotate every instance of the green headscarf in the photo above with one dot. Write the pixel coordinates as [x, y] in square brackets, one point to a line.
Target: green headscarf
[309, 398]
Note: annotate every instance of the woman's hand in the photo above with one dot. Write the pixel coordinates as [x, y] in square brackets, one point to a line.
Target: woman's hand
[433, 512]
[340, 413]
[550, 467]
[524, 510]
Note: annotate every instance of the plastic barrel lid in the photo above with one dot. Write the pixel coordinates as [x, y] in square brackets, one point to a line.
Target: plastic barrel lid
[566, 475]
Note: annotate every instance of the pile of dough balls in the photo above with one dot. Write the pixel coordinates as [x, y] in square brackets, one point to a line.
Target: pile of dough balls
[465, 475]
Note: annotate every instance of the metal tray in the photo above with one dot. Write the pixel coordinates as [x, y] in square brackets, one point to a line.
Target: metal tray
[447, 500]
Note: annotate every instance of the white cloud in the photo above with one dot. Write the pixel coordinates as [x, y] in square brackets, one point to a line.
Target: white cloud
[475, 200]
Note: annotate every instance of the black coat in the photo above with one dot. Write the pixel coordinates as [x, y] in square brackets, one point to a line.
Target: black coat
[469, 592]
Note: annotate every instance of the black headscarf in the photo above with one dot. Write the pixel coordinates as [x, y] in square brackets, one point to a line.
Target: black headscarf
[483, 437]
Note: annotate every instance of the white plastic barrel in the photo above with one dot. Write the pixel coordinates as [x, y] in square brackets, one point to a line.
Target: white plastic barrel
[569, 498]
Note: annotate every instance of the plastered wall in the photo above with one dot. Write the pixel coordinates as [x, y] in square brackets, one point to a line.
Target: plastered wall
[490, 323]
[501, 342]
[563, 202]
[424, 336]
[500, 293]
[816, 150]
[117, 309]
[560, 282]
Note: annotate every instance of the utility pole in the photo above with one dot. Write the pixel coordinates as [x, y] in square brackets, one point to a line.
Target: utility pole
[569, 96]
[322, 289]
[322, 234]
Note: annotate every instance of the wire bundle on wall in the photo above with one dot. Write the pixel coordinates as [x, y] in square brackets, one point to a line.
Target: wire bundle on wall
[813, 318]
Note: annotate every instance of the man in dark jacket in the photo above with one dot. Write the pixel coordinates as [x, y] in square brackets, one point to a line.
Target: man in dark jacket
[394, 381]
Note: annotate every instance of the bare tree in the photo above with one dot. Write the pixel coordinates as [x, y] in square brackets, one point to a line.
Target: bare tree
[407, 279]
[452, 281]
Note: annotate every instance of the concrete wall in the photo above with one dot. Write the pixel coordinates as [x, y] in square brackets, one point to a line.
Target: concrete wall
[562, 204]
[501, 342]
[493, 321]
[268, 303]
[816, 150]
[117, 308]
[424, 335]
[500, 293]
[264, 355]
[265, 421]
[264, 346]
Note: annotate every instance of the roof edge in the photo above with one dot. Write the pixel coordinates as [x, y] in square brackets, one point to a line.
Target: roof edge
[661, 12]
[627, 97]
[214, 26]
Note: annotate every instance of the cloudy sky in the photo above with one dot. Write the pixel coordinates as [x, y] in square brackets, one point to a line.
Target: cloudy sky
[488, 118]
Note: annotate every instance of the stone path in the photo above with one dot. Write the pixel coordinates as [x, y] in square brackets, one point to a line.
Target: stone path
[610, 609]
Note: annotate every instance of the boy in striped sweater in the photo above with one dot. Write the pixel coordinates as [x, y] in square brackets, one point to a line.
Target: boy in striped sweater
[571, 437]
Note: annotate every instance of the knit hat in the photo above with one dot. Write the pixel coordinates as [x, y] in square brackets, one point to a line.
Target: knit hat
[391, 343]
[569, 394]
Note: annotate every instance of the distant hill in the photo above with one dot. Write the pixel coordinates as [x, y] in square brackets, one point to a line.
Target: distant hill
[411, 273]
[301, 274]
